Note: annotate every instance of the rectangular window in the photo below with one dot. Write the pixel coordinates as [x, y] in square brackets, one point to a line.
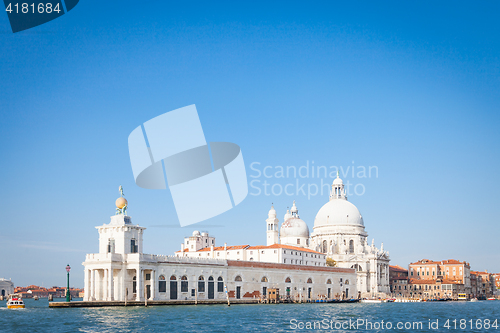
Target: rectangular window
[148, 277]
[192, 292]
[162, 286]
[201, 286]
[133, 246]
[184, 286]
[220, 286]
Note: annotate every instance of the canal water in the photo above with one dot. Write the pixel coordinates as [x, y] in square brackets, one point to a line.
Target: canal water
[482, 316]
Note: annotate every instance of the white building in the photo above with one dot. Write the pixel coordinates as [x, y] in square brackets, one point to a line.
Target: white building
[339, 232]
[6, 287]
[120, 270]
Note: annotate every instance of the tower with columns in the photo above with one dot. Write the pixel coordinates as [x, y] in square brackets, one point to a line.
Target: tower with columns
[272, 228]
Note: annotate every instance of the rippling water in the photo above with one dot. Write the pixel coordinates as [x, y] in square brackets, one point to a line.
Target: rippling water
[38, 317]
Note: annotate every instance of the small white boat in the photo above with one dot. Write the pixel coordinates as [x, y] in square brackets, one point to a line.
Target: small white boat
[15, 302]
[371, 301]
[473, 299]
[491, 298]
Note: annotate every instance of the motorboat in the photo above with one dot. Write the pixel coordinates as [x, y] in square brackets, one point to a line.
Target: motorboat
[15, 302]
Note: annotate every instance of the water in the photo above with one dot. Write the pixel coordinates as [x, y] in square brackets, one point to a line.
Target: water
[38, 317]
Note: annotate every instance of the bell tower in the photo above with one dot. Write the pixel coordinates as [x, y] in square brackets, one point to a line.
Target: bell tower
[272, 228]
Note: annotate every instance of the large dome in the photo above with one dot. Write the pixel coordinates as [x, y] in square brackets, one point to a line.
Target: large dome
[338, 212]
[294, 227]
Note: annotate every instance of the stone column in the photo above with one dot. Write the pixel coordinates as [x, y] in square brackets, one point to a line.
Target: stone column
[153, 284]
[139, 289]
[105, 291]
[92, 285]
[86, 286]
[111, 285]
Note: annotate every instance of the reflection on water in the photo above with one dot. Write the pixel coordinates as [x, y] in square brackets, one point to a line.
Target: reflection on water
[38, 317]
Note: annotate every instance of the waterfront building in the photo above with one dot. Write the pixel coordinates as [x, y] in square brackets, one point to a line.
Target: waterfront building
[485, 286]
[339, 232]
[398, 280]
[451, 271]
[6, 287]
[122, 271]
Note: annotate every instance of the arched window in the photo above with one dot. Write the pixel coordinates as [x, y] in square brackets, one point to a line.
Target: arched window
[309, 280]
[288, 280]
[264, 279]
[237, 278]
[324, 247]
[184, 284]
[173, 278]
[351, 246]
[201, 284]
[346, 281]
[162, 284]
[328, 281]
[220, 284]
[210, 278]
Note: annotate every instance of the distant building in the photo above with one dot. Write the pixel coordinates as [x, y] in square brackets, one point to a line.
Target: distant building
[6, 287]
[485, 286]
[398, 280]
[444, 272]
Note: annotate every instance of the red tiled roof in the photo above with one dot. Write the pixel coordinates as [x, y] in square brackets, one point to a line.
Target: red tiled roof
[257, 247]
[222, 248]
[397, 268]
[282, 246]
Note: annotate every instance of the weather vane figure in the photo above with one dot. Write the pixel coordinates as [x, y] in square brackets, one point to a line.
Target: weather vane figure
[121, 203]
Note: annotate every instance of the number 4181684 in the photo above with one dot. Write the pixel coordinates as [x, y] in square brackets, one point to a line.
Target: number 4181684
[471, 324]
[40, 8]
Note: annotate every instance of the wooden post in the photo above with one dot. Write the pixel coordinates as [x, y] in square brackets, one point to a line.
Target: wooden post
[227, 295]
[126, 296]
[196, 296]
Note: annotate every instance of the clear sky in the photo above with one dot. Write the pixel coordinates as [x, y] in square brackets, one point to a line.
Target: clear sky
[409, 88]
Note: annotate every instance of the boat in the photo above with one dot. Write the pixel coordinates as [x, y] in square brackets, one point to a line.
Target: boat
[473, 300]
[371, 301]
[491, 298]
[15, 302]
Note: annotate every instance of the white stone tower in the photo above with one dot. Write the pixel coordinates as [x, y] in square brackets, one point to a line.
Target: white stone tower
[272, 228]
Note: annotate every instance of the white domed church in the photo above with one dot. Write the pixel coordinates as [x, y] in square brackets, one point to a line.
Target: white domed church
[339, 232]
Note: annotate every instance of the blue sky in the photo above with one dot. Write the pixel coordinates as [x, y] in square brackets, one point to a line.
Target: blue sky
[410, 88]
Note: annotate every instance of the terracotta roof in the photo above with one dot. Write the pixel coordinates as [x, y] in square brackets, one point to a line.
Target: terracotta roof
[282, 246]
[443, 281]
[397, 268]
[221, 248]
[425, 262]
[258, 247]
[442, 262]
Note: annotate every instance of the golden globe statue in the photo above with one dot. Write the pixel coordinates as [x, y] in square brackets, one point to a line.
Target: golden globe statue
[121, 202]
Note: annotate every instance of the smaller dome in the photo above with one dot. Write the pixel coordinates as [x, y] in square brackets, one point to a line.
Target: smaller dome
[337, 181]
[121, 202]
[272, 212]
[196, 233]
[204, 234]
[294, 227]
